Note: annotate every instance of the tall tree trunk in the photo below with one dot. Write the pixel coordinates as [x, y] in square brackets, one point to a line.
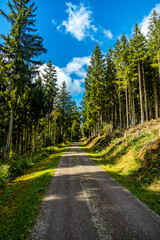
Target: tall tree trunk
[71, 134]
[130, 103]
[8, 143]
[140, 92]
[133, 108]
[54, 132]
[99, 123]
[48, 126]
[127, 107]
[120, 111]
[115, 116]
[22, 138]
[155, 98]
[17, 138]
[145, 94]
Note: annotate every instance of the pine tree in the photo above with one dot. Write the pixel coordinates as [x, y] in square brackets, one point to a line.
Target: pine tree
[138, 44]
[98, 88]
[20, 47]
[111, 91]
[154, 40]
[64, 105]
[51, 90]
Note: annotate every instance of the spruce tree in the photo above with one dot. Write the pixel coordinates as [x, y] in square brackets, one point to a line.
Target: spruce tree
[98, 87]
[64, 104]
[51, 90]
[20, 47]
[138, 44]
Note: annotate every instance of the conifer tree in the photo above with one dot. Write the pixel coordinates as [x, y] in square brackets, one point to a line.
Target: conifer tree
[51, 90]
[98, 87]
[64, 105]
[154, 40]
[138, 44]
[111, 91]
[20, 47]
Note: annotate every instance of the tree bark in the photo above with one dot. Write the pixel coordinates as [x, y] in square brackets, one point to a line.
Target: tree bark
[140, 93]
[8, 143]
[127, 107]
[133, 108]
[99, 123]
[145, 94]
[120, 111]
[155, 98]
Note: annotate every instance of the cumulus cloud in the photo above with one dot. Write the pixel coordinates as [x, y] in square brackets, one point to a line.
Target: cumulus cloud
[77, 67]
[80, 23]
[145, 21]
[107, 34]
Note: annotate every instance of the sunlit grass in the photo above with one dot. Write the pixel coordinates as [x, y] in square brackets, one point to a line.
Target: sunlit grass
[122, 163]
[20, 200]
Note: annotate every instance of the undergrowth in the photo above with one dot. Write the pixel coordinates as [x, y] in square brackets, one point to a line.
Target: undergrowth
[20, 200]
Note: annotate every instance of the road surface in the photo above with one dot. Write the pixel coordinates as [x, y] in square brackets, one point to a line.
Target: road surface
[85, 203]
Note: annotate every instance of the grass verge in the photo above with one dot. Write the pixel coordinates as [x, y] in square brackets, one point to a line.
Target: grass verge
[20, 200]
[141, 176]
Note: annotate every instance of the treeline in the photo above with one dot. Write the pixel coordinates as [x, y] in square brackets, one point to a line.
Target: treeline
[33, 111]
[123, 87]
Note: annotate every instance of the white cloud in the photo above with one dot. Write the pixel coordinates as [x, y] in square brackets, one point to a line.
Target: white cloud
[145, 21]
[80, 23]
[107, 34]
[76, 67]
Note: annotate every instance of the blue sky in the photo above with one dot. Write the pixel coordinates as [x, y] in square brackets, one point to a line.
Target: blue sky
[71, 29]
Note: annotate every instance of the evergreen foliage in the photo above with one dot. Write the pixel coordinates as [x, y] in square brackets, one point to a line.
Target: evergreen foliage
[32, 108]
[123, 89]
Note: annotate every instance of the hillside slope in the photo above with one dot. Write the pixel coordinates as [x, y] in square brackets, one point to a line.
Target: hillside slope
[132, 157]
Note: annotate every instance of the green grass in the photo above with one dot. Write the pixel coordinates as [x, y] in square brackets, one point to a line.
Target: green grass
[20, 200]
[122, 162]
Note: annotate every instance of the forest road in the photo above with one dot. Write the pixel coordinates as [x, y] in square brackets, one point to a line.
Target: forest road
[84, 203]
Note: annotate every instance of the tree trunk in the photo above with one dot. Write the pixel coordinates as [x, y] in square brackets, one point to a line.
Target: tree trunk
[140, 93]
[145, 94]
[8, 143]
[48, 126]
[130, 103]
[127, 107]
[155, 98]
[133, 108]
[71, 134]
[120, 111]
[99, 123]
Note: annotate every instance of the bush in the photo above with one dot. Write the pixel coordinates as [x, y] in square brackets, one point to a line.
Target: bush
[4, 175]
[16, 168]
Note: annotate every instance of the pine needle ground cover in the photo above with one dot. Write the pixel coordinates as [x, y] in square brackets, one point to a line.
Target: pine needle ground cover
[134, 162]
[20, 200]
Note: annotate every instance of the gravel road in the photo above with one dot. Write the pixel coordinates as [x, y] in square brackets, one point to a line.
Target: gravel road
[84, 203]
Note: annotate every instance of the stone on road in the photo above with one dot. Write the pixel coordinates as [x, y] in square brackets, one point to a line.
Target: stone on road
[85, 203]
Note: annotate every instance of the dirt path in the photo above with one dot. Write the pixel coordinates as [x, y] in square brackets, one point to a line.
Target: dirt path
[84, 203]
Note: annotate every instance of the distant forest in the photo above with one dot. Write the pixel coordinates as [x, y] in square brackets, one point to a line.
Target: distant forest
[122, 88]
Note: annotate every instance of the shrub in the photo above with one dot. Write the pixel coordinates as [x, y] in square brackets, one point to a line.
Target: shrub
[4, 174]
[16, 168]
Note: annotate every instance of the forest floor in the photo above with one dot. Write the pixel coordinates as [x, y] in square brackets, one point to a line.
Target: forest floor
[85, 203]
